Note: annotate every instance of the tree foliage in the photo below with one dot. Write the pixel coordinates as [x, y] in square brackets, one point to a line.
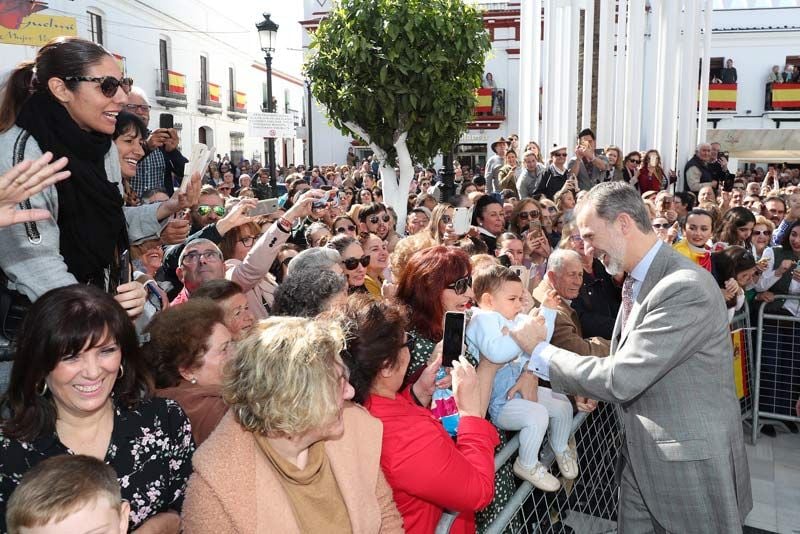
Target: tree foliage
[394, 66]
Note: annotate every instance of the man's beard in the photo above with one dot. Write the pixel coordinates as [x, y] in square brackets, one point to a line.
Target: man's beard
[613, 259]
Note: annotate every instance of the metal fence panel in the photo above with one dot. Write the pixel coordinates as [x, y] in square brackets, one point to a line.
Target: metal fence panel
[742, 321]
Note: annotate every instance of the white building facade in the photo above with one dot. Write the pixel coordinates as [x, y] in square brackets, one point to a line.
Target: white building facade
[641, 61]
[192, 59]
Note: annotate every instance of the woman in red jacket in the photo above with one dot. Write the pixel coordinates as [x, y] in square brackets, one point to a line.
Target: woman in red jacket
[651, 175]
[427, 470]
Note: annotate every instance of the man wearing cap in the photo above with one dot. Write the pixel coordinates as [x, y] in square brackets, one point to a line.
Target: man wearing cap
[589, 167]
[499, 148]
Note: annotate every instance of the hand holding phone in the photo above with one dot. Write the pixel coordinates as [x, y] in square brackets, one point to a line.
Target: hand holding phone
[201, 157]
[264, 207]
[124, 267]
[453, 338]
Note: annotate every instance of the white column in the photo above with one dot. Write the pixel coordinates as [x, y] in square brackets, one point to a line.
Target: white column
[525, 71]
[634, 75]
[687, 130]
[574, 54]
[560, 91]
[548, 84]
[536, 78]
[588, 59]
[671, 55]
[605, 73]
[620, 80]
[702, 122]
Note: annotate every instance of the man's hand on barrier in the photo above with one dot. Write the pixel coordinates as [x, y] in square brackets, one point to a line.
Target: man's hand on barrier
[784, 267]
[766, 296]
[585, 404]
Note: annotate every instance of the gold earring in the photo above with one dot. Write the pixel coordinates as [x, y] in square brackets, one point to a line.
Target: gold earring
[121, 372]
[43, 391]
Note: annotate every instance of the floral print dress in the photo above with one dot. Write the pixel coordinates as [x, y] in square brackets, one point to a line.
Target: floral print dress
[151, 450]
[504, 480]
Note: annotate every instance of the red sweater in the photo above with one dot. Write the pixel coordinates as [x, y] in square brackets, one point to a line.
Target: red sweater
[647, 181]
[427, 471]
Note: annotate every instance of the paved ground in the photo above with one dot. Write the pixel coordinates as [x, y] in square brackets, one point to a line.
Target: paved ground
[775, 474]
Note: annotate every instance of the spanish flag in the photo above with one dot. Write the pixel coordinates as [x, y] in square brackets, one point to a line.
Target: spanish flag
[176, 82]
[722, 96]
[739, 362]
[484, 104]
[785, 95]
[213, 92]
[240, 100]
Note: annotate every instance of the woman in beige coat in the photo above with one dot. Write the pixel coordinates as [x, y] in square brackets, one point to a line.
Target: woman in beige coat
[293, 454]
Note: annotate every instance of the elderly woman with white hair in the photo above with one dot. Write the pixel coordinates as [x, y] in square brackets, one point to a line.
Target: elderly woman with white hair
[316, 259]
[292, 454]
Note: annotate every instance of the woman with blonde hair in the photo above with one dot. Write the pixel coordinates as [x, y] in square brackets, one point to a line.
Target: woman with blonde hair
[615, 161]
[292, 454]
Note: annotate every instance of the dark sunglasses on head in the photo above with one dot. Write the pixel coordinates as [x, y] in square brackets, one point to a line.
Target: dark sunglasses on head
[108, 84]
[375, 218]
[527, 215]
[352, 263]
[204, 210]
[461, 285]
[343, 229]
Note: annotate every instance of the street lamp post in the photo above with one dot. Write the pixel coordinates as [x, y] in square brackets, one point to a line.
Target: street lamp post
[267, 33]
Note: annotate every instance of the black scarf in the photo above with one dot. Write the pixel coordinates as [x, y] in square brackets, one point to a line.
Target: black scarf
[90, 217]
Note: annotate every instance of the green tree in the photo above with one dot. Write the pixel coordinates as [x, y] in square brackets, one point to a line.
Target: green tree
[400, 74]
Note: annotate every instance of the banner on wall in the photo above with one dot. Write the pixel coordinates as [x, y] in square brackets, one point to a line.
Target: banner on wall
[37, 30]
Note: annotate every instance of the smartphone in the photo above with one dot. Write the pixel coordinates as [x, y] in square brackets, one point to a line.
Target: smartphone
[166, 120]
[453, 338]
[264, 207]
[462, 220]
[322, 202]
[504, 260]
[124, 267]
[523, 273]
[535, 228]
[201, 157]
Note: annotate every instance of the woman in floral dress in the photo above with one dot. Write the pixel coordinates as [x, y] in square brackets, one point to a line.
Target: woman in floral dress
[78, 386]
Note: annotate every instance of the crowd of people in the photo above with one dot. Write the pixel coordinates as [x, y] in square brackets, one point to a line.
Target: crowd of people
[240, 372]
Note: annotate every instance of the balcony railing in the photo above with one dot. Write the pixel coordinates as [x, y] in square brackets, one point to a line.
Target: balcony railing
[171, 89]
[722, 97]
[209, 97]
[237, 105]
[782, 97]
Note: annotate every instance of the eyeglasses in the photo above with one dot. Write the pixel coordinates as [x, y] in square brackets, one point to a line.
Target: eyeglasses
[138, 107]
[762, 232]
[375, 218]
[560, 154]
[249, 240]
[661, 226]
[461, 285]
[108, 84]
[352, 263]
[343, 229]
[527, 215]
[208, 255]
[635, 161]
[204, 210]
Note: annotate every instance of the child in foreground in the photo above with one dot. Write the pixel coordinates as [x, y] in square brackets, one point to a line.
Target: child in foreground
[499, 293]
[68, 493]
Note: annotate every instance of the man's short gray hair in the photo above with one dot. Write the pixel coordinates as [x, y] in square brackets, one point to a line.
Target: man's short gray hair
[195, 243]
[559, 258]
[610, 199]
[314, 259]
[138, 91]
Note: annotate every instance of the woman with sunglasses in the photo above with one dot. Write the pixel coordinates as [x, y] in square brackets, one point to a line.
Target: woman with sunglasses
[631, 168]
[354, 261]
[378, 252]
[344, 225]
[428, 471]
[280, 267]
[525, 212]
[65, 101]
[760, 241]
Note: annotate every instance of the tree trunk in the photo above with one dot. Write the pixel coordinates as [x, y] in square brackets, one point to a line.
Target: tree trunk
[395, 192]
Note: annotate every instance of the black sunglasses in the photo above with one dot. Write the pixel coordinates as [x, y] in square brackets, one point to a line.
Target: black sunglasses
[352, 263]
[461, 285]
[635, 161]
[108, 84]
[343, 229]
[663, 226]
[526, 215]
[375, 218]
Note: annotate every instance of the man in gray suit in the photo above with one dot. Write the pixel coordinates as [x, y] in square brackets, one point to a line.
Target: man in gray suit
[684, 466]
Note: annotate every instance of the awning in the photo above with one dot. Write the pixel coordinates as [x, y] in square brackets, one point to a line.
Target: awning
[759, 145]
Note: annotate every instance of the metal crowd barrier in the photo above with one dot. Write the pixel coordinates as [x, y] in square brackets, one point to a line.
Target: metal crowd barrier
[586, 504]
[742, 321]
[777, 367]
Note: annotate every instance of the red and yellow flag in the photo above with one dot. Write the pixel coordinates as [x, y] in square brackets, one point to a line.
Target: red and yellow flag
[120, 62]
[240, 100]
[722, 96]
[785, 95]
[484, 104]
[739, 362]
[213, 92]
[176, 82]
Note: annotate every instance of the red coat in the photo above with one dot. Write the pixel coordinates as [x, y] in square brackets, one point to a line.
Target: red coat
[647, 181]
[427, 471]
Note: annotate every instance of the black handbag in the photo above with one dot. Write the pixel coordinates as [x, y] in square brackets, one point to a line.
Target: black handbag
[13, 304]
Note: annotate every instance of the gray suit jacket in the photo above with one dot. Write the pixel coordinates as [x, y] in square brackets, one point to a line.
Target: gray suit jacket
[671, 371]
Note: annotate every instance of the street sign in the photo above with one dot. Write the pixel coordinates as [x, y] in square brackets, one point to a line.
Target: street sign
[271, 125]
